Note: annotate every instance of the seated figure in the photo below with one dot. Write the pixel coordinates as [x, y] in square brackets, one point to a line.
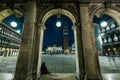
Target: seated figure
[44, 69]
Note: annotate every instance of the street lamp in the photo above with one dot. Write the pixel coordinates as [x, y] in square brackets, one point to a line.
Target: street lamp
[103, 24]
[18, 31]
[13, 24]
[58, 24]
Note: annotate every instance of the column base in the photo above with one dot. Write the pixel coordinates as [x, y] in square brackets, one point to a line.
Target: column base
[36, 76]
[23, 78]
[93, 77]
[80, 76]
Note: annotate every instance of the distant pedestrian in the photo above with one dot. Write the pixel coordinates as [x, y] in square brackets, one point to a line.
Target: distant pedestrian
[44, 69]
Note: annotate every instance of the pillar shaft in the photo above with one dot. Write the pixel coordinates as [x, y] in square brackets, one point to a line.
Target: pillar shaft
[79, 53]
[37, 52]
[23, 67]
[90, 57]
[95, 48]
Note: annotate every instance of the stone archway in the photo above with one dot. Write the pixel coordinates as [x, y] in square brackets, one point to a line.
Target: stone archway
[79, 58]
[4, 13]
[29, 61]
[58, 11]
[7, 12]
[99, 10]
[30, 49]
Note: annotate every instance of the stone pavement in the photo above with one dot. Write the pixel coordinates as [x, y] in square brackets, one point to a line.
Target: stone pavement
[110, 67]
[109, 64]
[62, 76]
[58, 76]
[111, 76]
[60, 63]
[71, 76]
[7, 64]
[6, 76]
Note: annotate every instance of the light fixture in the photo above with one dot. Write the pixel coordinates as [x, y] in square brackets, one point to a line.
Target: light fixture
[18, 31]
[103, 24]
[102, 34]
[13, 24]
[0, 28]
[58, 24]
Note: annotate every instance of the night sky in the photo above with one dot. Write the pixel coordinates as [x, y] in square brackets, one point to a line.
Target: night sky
[52, 34]
[19, 21]
[100, 19]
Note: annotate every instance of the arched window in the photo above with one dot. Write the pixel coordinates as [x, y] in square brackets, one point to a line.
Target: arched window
[115, 37]
[109, 39]
[105, 41]
[108, 28]
[113, 25]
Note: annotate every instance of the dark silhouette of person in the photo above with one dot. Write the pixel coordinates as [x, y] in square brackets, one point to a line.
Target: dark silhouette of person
[44, 69]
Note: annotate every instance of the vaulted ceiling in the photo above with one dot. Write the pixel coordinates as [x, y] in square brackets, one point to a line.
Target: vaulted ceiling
[46, 1]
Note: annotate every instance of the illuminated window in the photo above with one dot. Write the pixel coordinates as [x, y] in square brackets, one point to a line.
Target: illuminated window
[113, 26]
[115, 38]
[105, 41]
[109, 39]
[108, 28]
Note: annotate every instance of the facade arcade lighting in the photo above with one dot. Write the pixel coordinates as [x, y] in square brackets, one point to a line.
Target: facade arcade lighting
[103, 24]
[13, 24]
[18, 31]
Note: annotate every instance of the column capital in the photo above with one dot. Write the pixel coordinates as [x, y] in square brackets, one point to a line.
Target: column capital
[35, 1]
[74, 28]
[93, 25]
[75, 25]
[84, 5]
[41, 26]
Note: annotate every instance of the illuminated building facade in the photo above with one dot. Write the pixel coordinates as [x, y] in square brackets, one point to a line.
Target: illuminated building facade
[36, 12]
[110, 38]
[54, 49]
[72, 49]
[9, 41]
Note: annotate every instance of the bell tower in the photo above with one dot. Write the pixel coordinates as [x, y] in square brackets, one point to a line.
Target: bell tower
[65, 40]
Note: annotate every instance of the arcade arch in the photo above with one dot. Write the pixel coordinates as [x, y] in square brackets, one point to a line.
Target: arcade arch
[112, 11]
[74, 27]
[31, 46]
[36, 35]
[100, 10]
[58, 11]
[4, 13]
[7, 12]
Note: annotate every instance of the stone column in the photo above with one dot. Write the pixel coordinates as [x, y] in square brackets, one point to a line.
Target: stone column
[80, 70]
[93, 37]
[37, 51]
[23, 66]
[90, 57]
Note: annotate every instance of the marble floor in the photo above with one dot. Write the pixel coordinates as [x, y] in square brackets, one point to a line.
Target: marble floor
[110, 67]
